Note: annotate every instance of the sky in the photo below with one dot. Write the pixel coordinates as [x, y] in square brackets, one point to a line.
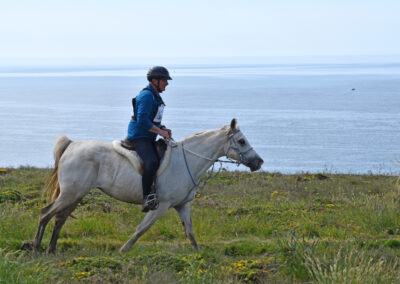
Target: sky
[41, 29]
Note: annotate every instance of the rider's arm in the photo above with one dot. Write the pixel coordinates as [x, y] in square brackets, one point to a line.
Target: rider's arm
[144, 103]
[161, 132]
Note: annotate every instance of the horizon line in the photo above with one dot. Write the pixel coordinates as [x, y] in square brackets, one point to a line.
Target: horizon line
[203, 60]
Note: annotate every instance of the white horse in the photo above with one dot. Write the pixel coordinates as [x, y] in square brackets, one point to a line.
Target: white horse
[81, 166]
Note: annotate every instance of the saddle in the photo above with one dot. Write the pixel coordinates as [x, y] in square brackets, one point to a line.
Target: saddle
[160, 144]
[127, 150]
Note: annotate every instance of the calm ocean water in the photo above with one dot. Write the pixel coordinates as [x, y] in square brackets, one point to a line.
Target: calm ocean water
[317, 117]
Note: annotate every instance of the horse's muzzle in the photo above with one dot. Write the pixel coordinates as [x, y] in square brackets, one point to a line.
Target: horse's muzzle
[256, 164]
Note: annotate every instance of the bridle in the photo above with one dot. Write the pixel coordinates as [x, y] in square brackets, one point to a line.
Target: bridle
[233, 145]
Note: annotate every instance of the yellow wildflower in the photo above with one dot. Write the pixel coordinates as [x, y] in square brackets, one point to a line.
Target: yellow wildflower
[330, 205]
[274, 193]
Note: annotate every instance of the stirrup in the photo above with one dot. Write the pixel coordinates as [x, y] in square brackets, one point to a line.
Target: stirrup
[152, 201]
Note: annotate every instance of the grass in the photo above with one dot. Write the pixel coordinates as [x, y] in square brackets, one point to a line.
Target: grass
[251, 227]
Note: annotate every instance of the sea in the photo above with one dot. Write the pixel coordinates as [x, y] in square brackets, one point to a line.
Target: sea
[325, 117]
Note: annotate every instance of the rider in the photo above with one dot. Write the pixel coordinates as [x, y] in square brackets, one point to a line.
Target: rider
[144, 127]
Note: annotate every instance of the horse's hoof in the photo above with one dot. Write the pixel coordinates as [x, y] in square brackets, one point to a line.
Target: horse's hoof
[26, 246]
[50, 251]
[124, 249]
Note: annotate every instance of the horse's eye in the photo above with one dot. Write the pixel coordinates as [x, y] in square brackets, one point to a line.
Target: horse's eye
[242, 142]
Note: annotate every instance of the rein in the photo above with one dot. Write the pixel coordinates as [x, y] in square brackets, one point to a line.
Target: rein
[210, 172]
[242, 160]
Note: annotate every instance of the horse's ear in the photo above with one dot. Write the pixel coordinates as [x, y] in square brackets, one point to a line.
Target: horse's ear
[233, 124]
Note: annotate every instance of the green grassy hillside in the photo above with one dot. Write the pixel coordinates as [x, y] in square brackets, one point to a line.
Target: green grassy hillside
[251, 227]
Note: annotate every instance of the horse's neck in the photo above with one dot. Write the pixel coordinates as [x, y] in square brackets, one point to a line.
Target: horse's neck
[209, 144]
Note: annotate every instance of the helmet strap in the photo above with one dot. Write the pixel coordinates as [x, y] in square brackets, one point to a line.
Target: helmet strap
[158, 85]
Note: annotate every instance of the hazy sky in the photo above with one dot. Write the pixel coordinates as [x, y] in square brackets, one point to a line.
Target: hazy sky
[191, 28]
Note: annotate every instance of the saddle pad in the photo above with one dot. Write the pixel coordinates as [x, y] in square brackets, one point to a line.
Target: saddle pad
[137, 162]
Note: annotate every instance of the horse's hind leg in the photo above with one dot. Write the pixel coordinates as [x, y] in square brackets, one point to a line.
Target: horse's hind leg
[44, 220]
[61, 217]
[48, 212]
[148, 220]
[184, 215]
[45, 217]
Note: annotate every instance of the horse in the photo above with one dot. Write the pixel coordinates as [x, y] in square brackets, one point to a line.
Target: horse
[84, 165]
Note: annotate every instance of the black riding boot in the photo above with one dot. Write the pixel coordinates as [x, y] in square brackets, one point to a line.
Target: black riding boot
[150, 201]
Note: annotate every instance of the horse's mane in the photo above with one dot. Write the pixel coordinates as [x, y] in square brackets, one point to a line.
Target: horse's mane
[204, 133]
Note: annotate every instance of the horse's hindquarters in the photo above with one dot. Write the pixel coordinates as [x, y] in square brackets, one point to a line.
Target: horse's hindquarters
[94, 164]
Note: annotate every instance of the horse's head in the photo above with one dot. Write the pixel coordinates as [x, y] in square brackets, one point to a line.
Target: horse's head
[240, 150]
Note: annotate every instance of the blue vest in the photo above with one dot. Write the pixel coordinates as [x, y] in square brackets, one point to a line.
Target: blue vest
[146, 106]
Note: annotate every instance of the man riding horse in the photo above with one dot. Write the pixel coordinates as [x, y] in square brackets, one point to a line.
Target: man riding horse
[83, 165]
[143, 128]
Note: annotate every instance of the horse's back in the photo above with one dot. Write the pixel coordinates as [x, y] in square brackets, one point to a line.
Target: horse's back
[84, 154]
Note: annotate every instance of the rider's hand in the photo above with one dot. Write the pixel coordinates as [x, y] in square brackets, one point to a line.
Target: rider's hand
[169, 132]
[165, 133]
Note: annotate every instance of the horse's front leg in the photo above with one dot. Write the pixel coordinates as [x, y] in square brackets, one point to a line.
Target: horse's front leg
[184, 215]
[147, 222]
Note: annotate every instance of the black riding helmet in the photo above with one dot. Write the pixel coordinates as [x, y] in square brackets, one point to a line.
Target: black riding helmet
[158, 72]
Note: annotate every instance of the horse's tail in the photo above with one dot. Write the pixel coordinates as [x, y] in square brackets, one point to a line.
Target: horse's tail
[53, 186]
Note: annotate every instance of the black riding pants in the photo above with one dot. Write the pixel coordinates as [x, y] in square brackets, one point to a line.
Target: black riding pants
[147, 152]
